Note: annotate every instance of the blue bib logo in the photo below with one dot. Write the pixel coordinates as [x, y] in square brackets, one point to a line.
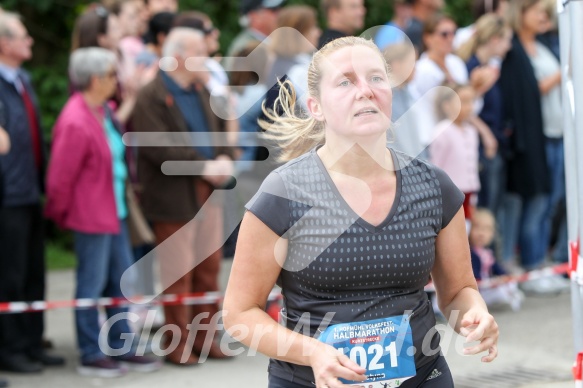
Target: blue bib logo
[384, 347]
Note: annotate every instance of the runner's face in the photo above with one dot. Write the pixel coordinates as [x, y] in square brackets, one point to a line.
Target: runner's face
[355, 94]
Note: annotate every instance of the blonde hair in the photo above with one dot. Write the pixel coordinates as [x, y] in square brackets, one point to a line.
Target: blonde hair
[296, 134]
[550, 7]
[484, 212]
[487, 27]
[516, 10]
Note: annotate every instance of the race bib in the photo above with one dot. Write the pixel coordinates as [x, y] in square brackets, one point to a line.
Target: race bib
[384, 347]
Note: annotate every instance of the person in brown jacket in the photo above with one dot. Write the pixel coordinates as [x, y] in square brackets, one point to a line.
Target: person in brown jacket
[174, 108]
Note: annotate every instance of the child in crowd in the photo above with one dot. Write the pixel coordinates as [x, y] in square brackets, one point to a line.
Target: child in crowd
[484, 263]
[455, 147]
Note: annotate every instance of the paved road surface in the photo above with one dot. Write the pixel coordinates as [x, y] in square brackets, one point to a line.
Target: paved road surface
[535, 351]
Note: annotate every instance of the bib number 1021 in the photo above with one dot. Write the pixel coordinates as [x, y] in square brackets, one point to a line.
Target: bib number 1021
[374, 353]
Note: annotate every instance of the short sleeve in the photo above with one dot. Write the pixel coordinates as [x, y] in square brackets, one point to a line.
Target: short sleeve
[452, 198]
[271, 205]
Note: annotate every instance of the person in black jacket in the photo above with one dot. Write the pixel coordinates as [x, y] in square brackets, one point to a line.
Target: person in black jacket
[527, 169]
[4, 148]
[22, 262]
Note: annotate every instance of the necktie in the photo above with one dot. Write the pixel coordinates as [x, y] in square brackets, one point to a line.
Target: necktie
[33, 125]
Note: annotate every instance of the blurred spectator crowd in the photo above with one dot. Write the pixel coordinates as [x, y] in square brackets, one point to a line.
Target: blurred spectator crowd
[482, 102]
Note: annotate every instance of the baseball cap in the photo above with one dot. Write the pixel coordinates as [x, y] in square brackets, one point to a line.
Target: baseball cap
[249, 5]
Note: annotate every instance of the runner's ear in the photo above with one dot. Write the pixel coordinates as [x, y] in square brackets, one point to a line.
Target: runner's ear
[315, 108]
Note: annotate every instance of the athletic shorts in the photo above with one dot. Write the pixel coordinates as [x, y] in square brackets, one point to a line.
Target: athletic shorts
[436, 374]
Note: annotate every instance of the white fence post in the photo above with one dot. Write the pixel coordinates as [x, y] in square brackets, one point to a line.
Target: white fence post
[570, 13]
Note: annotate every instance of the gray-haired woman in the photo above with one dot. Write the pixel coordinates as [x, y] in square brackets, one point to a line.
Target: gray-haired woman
[86, 194]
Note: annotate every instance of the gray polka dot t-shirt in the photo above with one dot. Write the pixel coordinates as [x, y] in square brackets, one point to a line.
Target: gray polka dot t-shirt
[339, 268]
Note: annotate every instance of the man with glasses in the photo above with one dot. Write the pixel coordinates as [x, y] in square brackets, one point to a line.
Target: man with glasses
[22, 262]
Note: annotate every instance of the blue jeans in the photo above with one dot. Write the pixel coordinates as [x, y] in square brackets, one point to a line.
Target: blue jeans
[508, 220]
[144, 284]
[492, 182]
[533, 241]
[102, 259]
[555, 153]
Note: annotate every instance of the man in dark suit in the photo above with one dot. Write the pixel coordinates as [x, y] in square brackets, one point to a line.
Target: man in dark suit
[4, 148]
[22, 262]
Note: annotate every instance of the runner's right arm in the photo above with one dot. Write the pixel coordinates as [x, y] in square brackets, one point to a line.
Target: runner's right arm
[258, 261]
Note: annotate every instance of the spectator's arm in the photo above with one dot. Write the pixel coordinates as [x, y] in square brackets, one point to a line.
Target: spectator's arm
[547, 84]
[488, 139]
[124, 112]
[141, 76]
[483, 78]
[69, 150]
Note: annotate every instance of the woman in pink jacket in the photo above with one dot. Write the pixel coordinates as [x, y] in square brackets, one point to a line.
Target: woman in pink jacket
[86, 194]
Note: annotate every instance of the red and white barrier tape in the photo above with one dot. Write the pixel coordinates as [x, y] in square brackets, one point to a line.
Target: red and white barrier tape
[166, 300]
[574, 246]
[576, 270]
[578, 371]
[559, 269]
[215, 297]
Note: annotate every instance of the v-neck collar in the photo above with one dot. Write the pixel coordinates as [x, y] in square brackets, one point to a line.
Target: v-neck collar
[359, 220]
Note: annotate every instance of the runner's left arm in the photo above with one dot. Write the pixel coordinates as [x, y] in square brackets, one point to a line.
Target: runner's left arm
[457, 291]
